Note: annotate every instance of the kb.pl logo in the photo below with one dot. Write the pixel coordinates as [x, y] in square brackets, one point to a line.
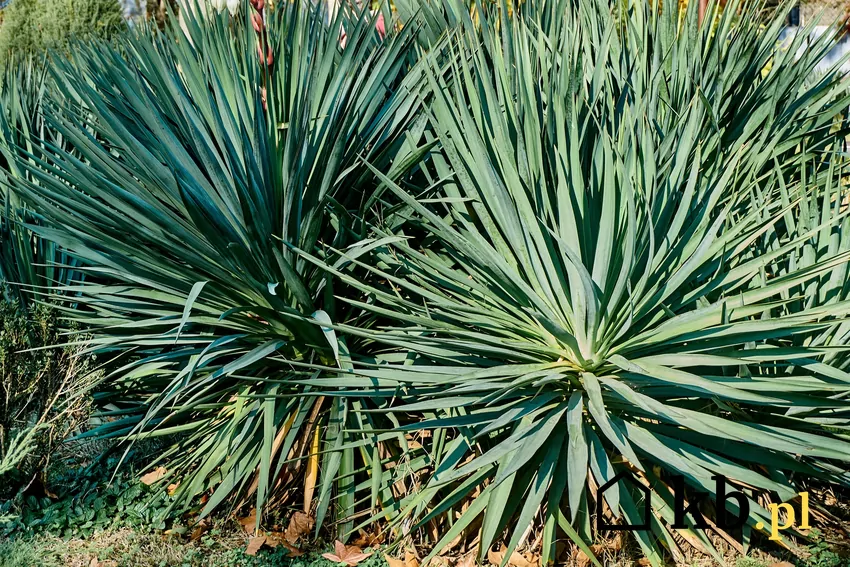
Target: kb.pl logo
[683, 508]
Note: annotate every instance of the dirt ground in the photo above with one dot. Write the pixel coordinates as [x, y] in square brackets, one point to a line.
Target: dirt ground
[826, 11]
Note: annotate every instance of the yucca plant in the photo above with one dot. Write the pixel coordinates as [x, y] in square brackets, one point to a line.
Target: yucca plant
[602, 273]
[27, 263]
[199, 154]
[822, 215]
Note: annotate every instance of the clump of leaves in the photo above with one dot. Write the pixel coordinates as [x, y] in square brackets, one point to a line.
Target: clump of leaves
[90, 499]
[821, 553]
[595, 268]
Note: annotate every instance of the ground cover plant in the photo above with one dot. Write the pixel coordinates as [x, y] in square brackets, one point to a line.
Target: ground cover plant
[446, 278]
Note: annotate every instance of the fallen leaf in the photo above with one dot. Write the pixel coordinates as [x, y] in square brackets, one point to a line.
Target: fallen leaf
[468, 561]
[291, 550]
[200, 529]
[348, 554]
[172, 488]
[644, 561]
[410, 559]
[617, 543]
[153, 476]
[516, 559]
[581, 559]
[254, 545]
[782, 564]
[249, 522]
[369, 539]
[275, 539]
[94, 562]
[300, 525]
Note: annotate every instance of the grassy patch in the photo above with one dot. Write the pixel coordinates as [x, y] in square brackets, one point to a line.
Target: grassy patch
[127, 547]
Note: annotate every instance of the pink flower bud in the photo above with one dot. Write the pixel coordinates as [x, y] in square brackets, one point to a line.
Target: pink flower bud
[257, 22]
[380, 26]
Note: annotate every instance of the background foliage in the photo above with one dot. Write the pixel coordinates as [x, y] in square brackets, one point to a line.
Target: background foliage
[33, 26]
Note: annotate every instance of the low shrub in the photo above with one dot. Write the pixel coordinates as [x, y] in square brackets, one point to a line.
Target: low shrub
[36, 25]
[38, 401]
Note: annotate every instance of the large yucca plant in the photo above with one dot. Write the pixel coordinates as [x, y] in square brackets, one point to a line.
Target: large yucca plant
[629, 254]
[199, 155]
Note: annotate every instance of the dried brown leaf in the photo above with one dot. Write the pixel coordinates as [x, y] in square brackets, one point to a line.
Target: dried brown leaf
[516, 559]
[254, 545]
[616, 543]
[369, 539]
[349, 554]
[410, 559]
[581, 559]
[153, 476]
[275, 539]
[300, 525]
[249, 522]
[292, 550]
[199, 530]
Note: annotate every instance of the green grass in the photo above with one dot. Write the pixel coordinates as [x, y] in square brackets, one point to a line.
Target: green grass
[752, 562]
[126, 546]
